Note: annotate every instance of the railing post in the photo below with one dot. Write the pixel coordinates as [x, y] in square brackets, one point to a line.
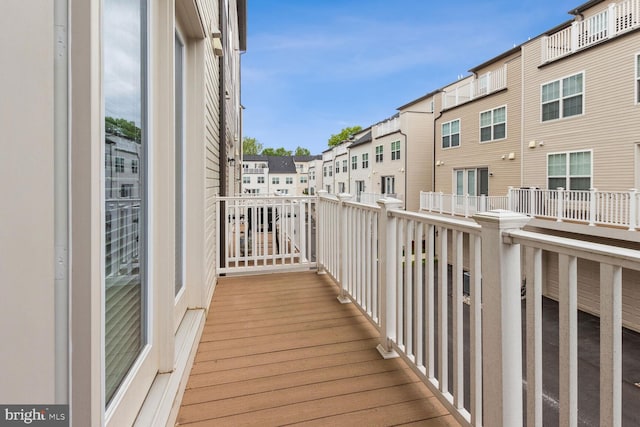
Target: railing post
[532, 202]
[574, 36]
[466, 205]
[593, 206]
[633, 209]
[441, 201]
[560, 212]
[545, 48]
[344, 248]
[454, 200]
[483, 203]
[387, 276]
[501, 319]
[611, 20]
[510, 203]
[320, 232]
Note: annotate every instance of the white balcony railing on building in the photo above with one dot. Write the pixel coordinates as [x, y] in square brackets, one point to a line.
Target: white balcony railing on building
[386, 127]
[266, 233]
[372, 198]
[406, 272]
[611, 22]
[474, 88]
[612, 208]
[255, 171]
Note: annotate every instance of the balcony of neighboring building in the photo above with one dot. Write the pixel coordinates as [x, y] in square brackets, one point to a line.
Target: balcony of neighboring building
[474, 87]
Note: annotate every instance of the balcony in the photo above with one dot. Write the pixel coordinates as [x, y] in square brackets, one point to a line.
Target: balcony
[617, 19]
[279, 347]
[606, 208]
[474, 87]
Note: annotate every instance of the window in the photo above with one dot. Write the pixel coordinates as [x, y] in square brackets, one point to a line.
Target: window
[126, 291]
[330, 171]
[354, 162]
[119, 164]
[134, 166]
[288, 180]
[388, 185]
[324, 171]
[493, 124]
[337, 167]
[473, 182]
[365, 160]
[275, 180]
[571, 171]
[303, 179]
[344, 166]
[379, 153]
[246, 179]
[395, 150]
[638, 78]
[451, 134]
[562, 98]
[261, 180]
[341, 188]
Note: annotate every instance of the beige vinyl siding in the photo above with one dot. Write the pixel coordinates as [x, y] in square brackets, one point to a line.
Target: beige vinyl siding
[589, 289]
[418, 126]
[472, 153]
[209, 10]
[610, 124]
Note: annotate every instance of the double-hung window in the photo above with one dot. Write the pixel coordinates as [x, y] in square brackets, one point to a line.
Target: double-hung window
[261, 180]
[379, 154]
[119, 164]
[354, 162]
[451, 134]
[571, 171]
[275, 180]
[365, 160]
[246, 179]
[493, 124]
[563, 98]
[395, 150]
[288, 180]
[344, 166]
[337, 167]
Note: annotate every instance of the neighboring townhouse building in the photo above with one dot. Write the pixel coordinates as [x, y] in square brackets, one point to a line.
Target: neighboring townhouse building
[328, 183]
[388, 152]
[478, 131]
[581, 128]
[359, 166]
[124, 118]
[282, 175]
[315, 175]
[255, 174]
[304, 164]
[341, 168]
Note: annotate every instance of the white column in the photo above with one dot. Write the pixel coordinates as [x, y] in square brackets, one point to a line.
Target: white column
[501, 322]
[387, 276]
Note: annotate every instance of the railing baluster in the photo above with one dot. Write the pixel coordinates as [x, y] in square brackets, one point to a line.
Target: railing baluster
[610, 345]
[457, 324]
[568, 316]
[475, 329]
[443, 359]
[419, 283]
[534, 336]
[399, 285]
[430, 301]
[408, 288]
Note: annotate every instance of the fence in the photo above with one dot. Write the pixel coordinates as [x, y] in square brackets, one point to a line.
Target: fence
[593, 207]
[266, 233]
[406, 272]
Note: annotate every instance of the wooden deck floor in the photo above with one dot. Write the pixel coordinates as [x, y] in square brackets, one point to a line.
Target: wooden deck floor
[280, 349]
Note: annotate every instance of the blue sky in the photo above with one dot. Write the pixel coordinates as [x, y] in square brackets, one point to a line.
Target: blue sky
[313, 67]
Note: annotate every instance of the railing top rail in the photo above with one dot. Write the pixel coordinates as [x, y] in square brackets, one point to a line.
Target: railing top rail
[363, 206]
[613, 255]
[257, 198]
[465, 226]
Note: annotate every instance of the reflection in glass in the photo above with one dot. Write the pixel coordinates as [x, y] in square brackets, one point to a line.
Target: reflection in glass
[124, 180]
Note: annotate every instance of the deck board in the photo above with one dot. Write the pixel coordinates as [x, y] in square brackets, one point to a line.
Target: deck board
[280, 349]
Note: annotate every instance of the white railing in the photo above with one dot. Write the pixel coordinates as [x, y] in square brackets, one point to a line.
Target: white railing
[265, 233]
[474, 88]
[611, 208]
[417, 267]
[616, 19]
[372, 198]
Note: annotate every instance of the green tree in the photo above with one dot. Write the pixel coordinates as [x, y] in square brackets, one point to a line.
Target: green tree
[276, 152]
[343, 135]
[251, 146]
[122, 127]
[302, 152]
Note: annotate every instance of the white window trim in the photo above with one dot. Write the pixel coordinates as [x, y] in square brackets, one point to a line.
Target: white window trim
[459, 133]
[396, 151]
[381, 153]
[636, 80]
[506, 112]
[568, 176]
[584, 97]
